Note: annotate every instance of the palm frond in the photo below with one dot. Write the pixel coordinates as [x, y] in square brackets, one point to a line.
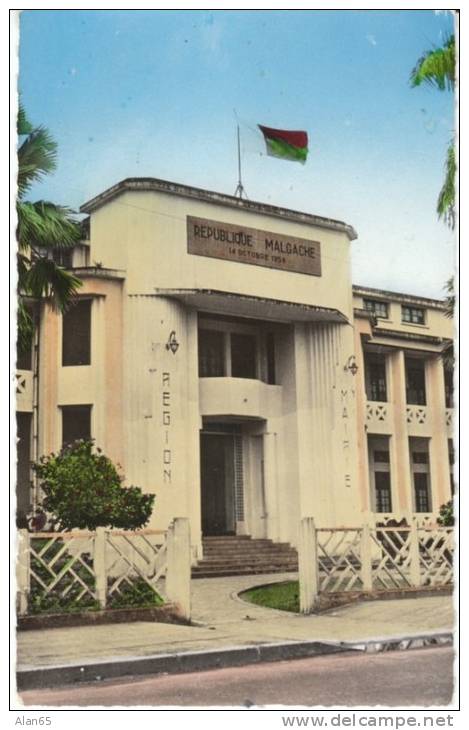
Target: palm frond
[45, 225]
[447, 197]
[450, 299]
[36, 157]
[25, 325]
[436, 67]
[23, 125]
[45, 279]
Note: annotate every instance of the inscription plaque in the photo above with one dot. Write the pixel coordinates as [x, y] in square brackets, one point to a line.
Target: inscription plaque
[253, 246]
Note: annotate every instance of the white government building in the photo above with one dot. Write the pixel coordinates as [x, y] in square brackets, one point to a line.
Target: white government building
[219, 352]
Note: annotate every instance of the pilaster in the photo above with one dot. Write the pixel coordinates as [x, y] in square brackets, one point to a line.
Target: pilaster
[439, 453]
[399, 447]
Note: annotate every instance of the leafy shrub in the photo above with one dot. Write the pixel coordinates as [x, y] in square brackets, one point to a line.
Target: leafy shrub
[446, 517]
[83, 490]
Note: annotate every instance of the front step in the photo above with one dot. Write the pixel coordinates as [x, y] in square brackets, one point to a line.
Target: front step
[242, 555]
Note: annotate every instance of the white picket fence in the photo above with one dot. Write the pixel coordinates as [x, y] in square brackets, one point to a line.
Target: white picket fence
[371, 558]
[84, 567]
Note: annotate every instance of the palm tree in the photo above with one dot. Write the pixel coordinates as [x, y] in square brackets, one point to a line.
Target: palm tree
[438, 68]
[42, 227]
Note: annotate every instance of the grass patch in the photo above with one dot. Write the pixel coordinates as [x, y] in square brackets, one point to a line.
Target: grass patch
[284, 596]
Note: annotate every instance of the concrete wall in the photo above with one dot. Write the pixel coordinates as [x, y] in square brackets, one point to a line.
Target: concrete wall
[144, 233]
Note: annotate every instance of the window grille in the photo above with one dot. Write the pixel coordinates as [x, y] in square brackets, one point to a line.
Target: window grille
[376, 389]
[376, 307]
[413, 315]
[383, 491]
[415, 383]
[422, 496]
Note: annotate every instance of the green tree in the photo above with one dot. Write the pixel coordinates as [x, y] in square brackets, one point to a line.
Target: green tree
[42, 227]
[446, 515]
[83, 490]
[437, 68]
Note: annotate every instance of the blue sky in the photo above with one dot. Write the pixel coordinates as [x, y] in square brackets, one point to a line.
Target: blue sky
[152, 93]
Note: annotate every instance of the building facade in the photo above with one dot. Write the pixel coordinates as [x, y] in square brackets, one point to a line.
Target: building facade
[219, 353]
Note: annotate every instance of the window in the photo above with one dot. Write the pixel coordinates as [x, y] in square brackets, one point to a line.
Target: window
[451, 464]
[379, 309]
[76, 334]
[270, 351]
[413, 315]
[420, 469]
[449, 388]
[422, 497]
[380, 473]
[232, 349]
[383, 491]
[211, 354]
[243, 356]
[76, 423]
[375, 378]
[63, 257]
[415, 382]
[23, 474]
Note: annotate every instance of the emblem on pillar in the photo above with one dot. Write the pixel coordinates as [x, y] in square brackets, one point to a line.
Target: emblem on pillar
[351, 365]
[172, 343]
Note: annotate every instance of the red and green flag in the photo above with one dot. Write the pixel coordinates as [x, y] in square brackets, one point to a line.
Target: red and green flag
[286, 144]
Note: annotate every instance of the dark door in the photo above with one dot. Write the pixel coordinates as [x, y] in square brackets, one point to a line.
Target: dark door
[217, 484]
[23, 477]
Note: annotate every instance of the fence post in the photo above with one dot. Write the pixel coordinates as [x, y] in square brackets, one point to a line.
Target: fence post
[414, 554]
[99, 565]
[23, 573]
[308, 567]
[366, 559]
[178, 570]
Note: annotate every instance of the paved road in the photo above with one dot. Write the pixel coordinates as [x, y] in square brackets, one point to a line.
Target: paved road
[420, 677]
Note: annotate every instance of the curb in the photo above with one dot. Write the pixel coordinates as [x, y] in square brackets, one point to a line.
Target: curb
[184, 662]
[372, 646]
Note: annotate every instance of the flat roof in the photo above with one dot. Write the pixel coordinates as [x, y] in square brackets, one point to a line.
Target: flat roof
[152, 184]
[398, 296]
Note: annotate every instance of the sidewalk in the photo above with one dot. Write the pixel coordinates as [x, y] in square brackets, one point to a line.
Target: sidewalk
[225, 622]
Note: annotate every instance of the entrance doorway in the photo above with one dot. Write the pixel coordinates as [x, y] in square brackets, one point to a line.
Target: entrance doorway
[217, 477]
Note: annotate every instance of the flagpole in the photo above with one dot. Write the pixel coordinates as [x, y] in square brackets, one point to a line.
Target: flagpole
[240, 191]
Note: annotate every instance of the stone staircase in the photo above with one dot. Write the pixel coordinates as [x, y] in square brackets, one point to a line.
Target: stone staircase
[243, 555]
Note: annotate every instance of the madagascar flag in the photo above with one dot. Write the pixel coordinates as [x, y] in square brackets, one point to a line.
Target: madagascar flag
[287, 144]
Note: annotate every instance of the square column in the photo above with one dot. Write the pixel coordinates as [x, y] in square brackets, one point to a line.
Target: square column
[439, 452]
[401, 484]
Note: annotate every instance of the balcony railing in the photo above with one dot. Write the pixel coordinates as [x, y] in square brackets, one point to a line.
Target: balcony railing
[449, 415]
[24, 390]
[418, 420]
[378, 417]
